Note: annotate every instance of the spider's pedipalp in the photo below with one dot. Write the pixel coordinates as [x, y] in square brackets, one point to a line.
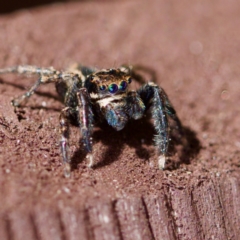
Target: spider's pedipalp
[135, 105]
[116, 117]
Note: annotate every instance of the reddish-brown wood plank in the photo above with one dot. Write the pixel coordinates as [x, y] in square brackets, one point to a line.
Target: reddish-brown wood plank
[21, 225]
[134, 223]
[160, 217]
[229, 191]
[104, 221]
[184, 213]
[4, 228]
[209, 210]
[194, 48]
[47, 222]
[75, 223]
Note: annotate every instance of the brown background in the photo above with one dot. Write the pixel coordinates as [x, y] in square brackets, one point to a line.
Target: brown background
[194, 48]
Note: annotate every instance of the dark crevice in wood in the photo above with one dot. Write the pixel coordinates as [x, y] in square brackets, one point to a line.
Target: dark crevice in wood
[148, 218]
[62, 226]
[117, 219]
[133, 219]
[34, 226]
[8, 227]
[89, 227]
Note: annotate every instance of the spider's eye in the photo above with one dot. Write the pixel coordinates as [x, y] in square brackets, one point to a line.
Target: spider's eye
[129, 80]
[123, 85]
[112, 88]
[102, 88]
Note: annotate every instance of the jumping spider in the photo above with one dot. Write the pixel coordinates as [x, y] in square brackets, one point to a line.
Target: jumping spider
[91, 95]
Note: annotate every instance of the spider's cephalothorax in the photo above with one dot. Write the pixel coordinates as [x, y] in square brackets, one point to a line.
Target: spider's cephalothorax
[108, 91]
[91, 96]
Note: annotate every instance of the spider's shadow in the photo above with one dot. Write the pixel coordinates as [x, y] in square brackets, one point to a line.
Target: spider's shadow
[132, 135]
[190, 147]
[115, 141]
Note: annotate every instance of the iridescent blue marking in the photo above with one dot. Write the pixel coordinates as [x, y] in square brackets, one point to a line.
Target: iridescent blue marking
[113, 88]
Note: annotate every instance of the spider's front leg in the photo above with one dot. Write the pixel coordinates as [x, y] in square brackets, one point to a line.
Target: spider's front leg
[154, 96]
[85, 119]
[64, 145]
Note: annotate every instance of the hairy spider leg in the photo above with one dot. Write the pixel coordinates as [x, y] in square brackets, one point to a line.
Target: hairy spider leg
[172, 113]
[85, 119]
[47, 75]
[139, 78]
[64, 144]
[132, 70]
[28, 69]
[154, 97]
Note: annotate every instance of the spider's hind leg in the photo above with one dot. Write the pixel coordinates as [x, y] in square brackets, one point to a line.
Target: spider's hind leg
[80, 69]
[138, 72]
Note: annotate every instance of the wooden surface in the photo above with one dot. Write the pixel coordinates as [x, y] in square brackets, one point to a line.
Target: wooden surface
[194, 49]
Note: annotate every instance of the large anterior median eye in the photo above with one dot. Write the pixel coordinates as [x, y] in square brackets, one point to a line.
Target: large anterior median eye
[113, 88]
[123, 85]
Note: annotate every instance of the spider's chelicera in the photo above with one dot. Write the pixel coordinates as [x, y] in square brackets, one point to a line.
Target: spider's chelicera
[91, 95]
